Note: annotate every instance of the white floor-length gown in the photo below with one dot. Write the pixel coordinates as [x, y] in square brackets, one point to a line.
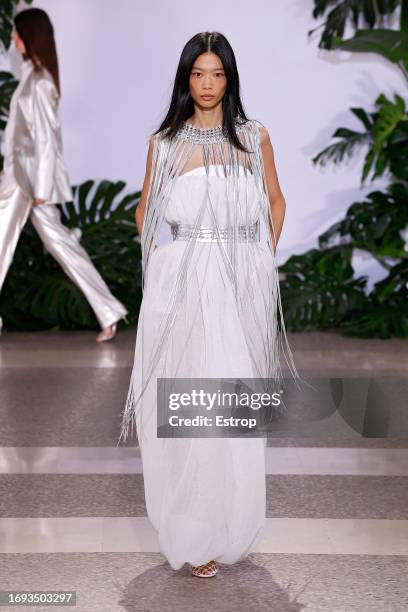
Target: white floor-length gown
[204, 496]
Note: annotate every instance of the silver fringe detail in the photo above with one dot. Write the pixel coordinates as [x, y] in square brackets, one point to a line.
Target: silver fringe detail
[195, 147]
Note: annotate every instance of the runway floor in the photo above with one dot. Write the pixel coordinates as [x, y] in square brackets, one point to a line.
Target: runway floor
[73, 514]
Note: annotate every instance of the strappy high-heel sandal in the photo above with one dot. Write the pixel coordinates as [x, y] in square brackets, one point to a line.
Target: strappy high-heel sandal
[208, 570]
[105, 336]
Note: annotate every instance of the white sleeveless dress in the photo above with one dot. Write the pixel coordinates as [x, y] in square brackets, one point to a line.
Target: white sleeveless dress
[204, 496]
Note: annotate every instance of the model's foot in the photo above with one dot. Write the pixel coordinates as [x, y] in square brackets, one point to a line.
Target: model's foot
[107, 334]
[208, 570]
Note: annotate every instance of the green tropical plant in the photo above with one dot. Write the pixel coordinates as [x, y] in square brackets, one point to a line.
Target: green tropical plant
[37, 294]
[385, 135]
[325, 293]
[7, 81]
[368, 13]
[7, 86]
[7, 8]
[385, 314]
[375, 225]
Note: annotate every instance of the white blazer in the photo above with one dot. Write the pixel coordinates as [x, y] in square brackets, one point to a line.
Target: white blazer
[32, 142]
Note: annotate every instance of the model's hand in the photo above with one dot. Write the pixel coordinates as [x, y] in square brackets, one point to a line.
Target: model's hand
[38, 201]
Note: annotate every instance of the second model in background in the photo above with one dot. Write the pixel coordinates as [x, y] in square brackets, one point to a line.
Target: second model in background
[34, 176]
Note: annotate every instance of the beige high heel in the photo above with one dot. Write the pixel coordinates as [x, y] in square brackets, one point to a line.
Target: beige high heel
[208, 570]
[104, 336]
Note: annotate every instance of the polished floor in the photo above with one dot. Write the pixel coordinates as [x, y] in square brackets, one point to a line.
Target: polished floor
[72, 510]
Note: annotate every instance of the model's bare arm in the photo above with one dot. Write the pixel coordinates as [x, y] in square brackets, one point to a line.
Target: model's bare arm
[276, 199]
[141, 207]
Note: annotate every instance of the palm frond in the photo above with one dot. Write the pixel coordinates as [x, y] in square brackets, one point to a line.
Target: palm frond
[344, 148]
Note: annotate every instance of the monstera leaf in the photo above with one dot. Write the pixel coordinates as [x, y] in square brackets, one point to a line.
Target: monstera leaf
[318, 289]
[106, 229]
[37, 293]
[396, 284]
[374, 224]
[59, 303]
[340, 13]
[390, 44]
[7, 8]
[389, 127]
[7, 81]
[7, 87]
[386, 313]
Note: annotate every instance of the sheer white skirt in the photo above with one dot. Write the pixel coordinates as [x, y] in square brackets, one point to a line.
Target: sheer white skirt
[205, 496]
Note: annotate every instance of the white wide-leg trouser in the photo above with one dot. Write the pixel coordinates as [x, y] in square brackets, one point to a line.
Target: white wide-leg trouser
[63, 244]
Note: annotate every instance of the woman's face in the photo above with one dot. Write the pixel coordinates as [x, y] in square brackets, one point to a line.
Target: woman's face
[207, 81]
[20, 46]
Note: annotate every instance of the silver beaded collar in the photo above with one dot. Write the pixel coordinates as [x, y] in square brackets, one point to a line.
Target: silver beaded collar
[201, 135]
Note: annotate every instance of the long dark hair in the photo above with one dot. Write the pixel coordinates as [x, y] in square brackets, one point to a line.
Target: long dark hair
[182, 104]
[35, 29]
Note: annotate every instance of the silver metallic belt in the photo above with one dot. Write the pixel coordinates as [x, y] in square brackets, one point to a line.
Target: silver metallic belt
[182, 231]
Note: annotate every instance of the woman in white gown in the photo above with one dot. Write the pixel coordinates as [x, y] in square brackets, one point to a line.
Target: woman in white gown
[210, 306]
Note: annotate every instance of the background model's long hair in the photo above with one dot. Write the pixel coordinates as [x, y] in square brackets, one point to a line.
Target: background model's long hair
[182, 104]
[36, 31]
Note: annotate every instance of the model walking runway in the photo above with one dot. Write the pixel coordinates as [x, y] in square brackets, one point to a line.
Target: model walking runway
[34, 176]
[210, 306]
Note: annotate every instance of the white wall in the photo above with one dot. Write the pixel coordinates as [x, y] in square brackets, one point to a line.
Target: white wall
[118, 60]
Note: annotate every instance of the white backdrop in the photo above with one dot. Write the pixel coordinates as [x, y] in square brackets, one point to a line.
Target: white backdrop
[118, 60]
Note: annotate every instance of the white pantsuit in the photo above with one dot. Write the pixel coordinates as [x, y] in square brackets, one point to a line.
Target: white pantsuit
[34, 168]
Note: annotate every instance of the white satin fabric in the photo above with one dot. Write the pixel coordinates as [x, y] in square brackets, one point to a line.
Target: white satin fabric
[32, 141]
[204, 496]
[34, 168]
